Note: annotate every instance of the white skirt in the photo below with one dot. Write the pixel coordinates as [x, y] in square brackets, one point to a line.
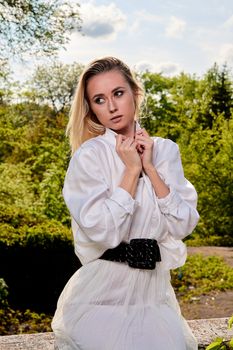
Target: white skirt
[110, 306]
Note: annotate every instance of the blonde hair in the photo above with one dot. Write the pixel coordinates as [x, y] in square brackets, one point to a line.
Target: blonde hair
[83, 124]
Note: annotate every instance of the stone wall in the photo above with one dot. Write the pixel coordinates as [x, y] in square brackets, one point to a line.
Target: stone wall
[205, 330]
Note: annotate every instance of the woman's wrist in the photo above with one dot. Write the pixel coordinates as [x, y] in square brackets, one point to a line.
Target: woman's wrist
[129, 180]
[135, 171]
[149, 168]
[160, 188]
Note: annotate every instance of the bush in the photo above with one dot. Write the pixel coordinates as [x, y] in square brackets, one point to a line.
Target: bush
[200, 275]
[16, 322]
[195, 240]
[3, 292]
[36, 262]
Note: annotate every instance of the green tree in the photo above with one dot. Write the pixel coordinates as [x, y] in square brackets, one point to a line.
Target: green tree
[5, 82]
[170, 104]
[36, 26]
[208, 164]
[157, 109]
[53, 85]
[35, 155]
[215, 95]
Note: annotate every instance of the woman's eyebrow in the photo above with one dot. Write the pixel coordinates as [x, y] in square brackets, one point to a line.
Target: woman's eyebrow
[101, 94]
[97, 95]
[117, 88]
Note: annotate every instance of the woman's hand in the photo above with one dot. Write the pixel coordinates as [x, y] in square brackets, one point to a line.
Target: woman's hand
[145, 148]
[126, 148]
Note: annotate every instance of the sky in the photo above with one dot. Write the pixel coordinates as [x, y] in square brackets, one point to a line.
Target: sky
[156, 35]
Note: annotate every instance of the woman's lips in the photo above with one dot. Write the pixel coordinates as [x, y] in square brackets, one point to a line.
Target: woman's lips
[116, 119]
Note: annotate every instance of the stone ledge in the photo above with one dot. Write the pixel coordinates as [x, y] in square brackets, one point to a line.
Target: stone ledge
[205, 331]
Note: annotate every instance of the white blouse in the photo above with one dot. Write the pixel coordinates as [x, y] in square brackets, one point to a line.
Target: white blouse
[103, 215]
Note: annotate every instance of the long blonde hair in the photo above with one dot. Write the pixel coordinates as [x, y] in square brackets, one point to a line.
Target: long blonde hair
[83, 124]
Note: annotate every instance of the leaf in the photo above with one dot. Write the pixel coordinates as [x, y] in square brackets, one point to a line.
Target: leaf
[231, 343]
[215, 345]
[230, 322]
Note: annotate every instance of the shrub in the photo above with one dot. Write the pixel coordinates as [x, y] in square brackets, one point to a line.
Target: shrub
[16, 321]
[201, 275]
[36, 262]
[3, 292]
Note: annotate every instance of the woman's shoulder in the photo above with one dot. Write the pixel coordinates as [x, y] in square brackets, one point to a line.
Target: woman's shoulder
[164, 144]
[165, 150]
[91, 146]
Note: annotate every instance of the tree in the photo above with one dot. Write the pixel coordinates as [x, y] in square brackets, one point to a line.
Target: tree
[5, 83]
[169, 103]
[34, 157]
[208, 164]
[54, 85]
[36, 26]
[215, 95]
[183, 98]
[157, 108]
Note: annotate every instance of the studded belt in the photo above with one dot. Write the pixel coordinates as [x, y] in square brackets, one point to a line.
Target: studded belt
[139, 253]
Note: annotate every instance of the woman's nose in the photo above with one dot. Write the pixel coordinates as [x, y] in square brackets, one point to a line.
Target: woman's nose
[112, 106]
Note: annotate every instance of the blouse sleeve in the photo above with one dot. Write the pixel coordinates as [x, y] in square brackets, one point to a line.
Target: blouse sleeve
[102, 217]
[179, 206]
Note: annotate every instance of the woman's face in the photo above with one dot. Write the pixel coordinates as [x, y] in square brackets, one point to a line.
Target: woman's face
[112, 101]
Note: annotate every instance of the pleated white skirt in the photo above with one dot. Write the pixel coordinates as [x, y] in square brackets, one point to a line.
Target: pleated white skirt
[110, 306]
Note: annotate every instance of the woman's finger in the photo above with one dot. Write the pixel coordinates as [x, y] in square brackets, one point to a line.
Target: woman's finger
[118, 140]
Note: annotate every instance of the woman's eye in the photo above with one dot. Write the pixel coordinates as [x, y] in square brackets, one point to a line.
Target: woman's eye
[99, 100]
[119, 93]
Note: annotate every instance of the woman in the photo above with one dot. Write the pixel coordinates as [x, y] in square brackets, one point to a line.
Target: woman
[130, 206]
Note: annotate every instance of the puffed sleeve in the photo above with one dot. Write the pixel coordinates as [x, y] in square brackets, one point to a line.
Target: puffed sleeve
[179, 206]
[101, 218]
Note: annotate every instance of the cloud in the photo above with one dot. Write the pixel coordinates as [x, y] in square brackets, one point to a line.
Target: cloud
[166, 68]
[140, 17]
[175, 28]
[229, 23]
[103, 21]
[226, 53]
[143, 66]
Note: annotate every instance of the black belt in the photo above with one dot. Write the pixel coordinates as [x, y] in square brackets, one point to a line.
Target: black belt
[140, 253]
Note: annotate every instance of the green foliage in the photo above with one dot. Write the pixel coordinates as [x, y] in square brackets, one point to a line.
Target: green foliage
[208, 163]
[47, 234]
[17, 322]
[215, 96]
[5, 82]
[221, 343]
[53, 85]
[201, 275]
[157, 110]
[198, 240]
[36, 262]
[36, 26]
[3, 292]
[16, 185]
[35, 156]
[230, 322]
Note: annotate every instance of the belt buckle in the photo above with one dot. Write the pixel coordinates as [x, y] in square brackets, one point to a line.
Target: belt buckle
[143, 253]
